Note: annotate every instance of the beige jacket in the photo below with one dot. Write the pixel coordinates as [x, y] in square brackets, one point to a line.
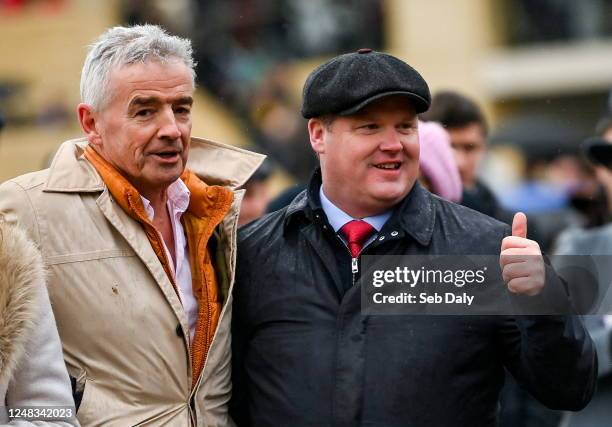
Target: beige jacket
[123, 329]
[32, 370]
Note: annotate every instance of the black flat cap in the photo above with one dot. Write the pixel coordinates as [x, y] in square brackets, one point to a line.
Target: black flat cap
[349, 82]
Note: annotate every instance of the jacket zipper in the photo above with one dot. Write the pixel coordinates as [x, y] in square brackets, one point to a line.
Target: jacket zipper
[354, 262]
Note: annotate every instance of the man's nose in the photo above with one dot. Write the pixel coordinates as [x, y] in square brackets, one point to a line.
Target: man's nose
[391, 141]
[460, 158]
[462, 162]
[168, 127]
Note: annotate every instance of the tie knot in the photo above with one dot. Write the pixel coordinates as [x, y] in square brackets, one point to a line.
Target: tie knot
[356, 232]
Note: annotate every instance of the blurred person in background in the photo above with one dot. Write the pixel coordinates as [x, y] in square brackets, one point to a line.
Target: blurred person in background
[596, 241]
[304, 354]
[140, 248]
[277, 126]
[556, 189]
[467, 127]
[32, 369]
[603, 130]
[438, 169]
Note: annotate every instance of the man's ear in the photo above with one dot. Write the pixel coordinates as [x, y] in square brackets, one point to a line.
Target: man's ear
[316, 130]
[89, 123]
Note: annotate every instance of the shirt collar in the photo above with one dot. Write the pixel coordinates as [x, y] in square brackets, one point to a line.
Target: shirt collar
[337, 217]
[178, 199]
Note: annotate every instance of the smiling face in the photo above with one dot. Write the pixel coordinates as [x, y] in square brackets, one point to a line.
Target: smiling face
[145, 129]
[369, 160]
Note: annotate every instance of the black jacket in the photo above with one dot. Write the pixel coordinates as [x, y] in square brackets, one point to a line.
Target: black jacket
[303, 355]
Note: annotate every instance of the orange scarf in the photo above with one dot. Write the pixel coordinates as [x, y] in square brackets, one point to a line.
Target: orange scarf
[208, 205]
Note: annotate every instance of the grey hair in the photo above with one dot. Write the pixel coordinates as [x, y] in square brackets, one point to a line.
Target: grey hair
[122, 46]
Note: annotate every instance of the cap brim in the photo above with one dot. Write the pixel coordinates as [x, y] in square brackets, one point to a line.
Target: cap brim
[598, 151]
[420, 104]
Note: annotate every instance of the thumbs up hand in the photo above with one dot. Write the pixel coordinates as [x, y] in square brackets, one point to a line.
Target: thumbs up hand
[521, 260]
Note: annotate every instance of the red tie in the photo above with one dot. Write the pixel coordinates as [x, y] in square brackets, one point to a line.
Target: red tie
[356, 232]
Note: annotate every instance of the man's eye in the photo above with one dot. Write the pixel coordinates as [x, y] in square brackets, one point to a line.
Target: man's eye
[144, 113]
[182, 110]
[369, 126]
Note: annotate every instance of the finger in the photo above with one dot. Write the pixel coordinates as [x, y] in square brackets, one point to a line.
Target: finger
[531, 256]
[529, 250]
[515, 271]
[516, 242]
[524, 285]
[510, 257]
[519, 225]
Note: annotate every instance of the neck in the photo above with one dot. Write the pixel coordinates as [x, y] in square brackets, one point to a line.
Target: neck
[158, 198]
[353, 210]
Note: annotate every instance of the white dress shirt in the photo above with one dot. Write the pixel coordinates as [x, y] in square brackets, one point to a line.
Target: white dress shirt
[178, 201]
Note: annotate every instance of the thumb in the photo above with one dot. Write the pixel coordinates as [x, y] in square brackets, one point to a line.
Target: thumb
[519, 225]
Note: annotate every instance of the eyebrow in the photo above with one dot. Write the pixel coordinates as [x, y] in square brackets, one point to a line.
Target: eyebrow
[183, 100]
[150, 100]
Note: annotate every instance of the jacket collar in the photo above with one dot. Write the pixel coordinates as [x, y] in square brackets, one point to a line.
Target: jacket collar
[213, 162]
[415, 214]
[209, 202]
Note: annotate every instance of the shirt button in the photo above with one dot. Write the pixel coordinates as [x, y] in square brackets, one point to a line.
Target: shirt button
[179, 330]
[381, 238]
[394, 233]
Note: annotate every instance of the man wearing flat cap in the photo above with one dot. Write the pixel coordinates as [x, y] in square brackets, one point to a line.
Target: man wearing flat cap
[304, 353]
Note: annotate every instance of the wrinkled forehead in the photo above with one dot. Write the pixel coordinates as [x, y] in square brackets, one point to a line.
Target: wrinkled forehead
[152, 66]
[166, 77]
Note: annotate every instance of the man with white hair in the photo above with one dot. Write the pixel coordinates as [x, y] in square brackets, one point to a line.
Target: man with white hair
[140, 249]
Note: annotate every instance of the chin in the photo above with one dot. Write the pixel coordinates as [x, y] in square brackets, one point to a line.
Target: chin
[384, 203]
[165, 181]
[391, 192]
